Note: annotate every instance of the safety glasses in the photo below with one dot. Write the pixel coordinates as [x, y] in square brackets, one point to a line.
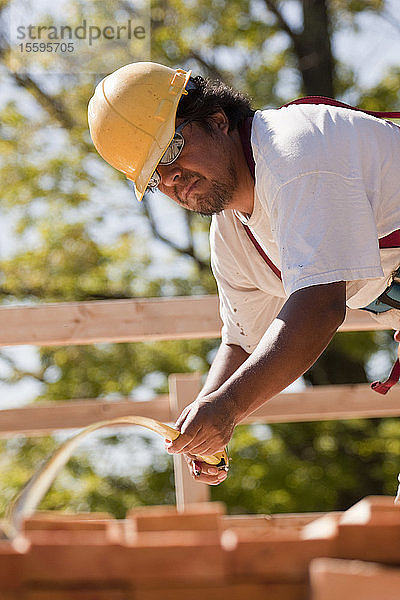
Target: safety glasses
[170, 155]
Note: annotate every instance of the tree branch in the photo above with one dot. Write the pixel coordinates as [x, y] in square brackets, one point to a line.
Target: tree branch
[391, 20]
[52, 106]
[20, 373]
[187, 251]
[211, 68]
[283, 24]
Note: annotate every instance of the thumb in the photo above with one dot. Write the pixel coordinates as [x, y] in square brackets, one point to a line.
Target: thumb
[181, 418]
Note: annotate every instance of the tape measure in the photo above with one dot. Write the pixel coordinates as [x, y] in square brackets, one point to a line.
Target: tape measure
[27, 500]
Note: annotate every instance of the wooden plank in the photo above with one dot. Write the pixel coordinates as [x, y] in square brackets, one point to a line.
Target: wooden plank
[41, 419]
[11, 566]
[55, 521]
[69, 323]
[280, 556]
[333, 578]
[360, 320]
[321, 403]
[204, 516]
[95, 592]
[313, 404]
[183, 389]
[370, 530]
[133, 320]
[157, 557]
[229, 591]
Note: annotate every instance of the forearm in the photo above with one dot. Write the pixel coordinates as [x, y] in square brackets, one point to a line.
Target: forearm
[293, 342]
[227, 360]
[290, 346]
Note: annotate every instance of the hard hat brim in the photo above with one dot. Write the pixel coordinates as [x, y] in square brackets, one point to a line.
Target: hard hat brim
[156, 150]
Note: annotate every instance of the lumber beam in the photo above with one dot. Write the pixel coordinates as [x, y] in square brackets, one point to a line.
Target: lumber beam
[328, 402]
[333, 578]
[42, 419]
[150, 319]
[313, 404]
[68, 323]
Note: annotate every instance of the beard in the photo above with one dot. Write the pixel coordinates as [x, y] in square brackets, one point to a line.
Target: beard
[217, 199]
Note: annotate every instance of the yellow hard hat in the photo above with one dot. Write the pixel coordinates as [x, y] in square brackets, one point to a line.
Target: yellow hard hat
[132, 117]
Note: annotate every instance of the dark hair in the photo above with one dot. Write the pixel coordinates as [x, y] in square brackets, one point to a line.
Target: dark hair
[205, 97]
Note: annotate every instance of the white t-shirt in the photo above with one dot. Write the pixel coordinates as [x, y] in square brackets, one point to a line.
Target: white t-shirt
[327, 187]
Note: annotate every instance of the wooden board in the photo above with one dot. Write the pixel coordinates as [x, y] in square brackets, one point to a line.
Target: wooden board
[313, 404]
[133, 320]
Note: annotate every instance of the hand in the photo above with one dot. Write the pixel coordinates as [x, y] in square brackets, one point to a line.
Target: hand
[204, 472]
[206, 426]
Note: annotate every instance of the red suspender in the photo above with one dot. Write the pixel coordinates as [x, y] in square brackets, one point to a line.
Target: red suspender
[331, 102]
[245, 135]
[262, 253]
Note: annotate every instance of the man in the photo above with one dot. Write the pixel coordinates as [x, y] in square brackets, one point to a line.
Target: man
[326, 188]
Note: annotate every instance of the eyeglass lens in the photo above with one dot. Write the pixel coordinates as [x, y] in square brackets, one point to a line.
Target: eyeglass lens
[170, 155]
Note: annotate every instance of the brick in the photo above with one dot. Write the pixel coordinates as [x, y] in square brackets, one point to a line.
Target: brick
[332, 579]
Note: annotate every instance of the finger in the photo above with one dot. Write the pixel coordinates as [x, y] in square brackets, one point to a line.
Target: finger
[211, 479]
[182, 417]
[202, 445]
[203, 466]
[199, 467]
[206, 448]
[184, 442]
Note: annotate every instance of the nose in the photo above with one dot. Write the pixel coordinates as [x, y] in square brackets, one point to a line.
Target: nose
[170, 174]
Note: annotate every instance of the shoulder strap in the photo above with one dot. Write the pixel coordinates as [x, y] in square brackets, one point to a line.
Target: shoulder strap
[332, 102]
[245, 136]
[262, 253]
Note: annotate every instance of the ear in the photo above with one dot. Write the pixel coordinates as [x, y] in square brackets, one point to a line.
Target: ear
[220, 121]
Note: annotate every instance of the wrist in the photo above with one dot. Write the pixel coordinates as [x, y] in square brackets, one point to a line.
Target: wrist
[232, 403]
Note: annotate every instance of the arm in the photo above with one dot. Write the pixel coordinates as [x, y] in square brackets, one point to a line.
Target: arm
[293, 342]
[227, 360]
